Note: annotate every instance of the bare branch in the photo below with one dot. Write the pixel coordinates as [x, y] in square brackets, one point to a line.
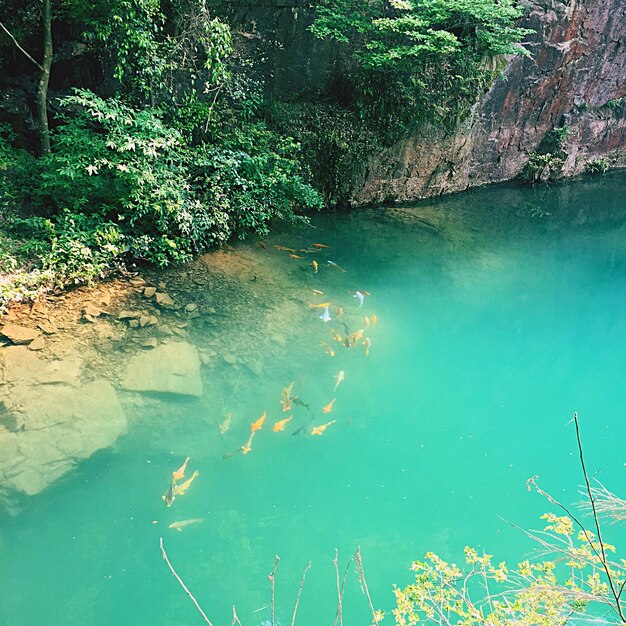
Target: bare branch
[359, 562]
[270, 577]
[295, 608]
[235, 618]
[182, 584]
[339, 613]
[17, 45]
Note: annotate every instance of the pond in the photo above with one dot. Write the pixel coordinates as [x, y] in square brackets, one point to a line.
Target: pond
[491, 317]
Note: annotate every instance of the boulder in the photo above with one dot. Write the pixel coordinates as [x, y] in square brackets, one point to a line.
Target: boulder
[162, 299]
[170, 368]
[19, 334]
[148, 292]
[58, 428]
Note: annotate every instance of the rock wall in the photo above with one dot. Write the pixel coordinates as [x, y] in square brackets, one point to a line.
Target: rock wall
[578, 65]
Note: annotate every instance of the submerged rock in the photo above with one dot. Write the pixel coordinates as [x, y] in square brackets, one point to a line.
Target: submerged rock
[170, 368]
[19, 334]
[46, 431]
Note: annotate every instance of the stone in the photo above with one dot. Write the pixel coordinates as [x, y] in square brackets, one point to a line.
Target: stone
[162, 299]
[164, 329]
[91, 312]
[148, 292]
[46, 328]
[191, 307]
[229, 358]
[170, 368]
[37, 344]
[143, 320]
[125, 315]
[134, 323]
[19, 334]
[137, 281]
[59, 428]
[20, 364]
[151, 342]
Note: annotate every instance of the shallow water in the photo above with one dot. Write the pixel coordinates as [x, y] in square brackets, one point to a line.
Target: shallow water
[500, 312]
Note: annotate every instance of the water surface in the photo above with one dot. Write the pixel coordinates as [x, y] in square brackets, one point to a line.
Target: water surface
[500, 312]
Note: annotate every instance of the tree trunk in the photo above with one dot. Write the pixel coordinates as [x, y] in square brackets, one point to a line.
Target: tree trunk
[42, 91]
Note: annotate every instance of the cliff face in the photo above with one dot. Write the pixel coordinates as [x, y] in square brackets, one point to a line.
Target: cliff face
[575, 74]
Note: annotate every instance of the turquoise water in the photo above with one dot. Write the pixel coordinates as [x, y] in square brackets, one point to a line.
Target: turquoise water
[500, 312]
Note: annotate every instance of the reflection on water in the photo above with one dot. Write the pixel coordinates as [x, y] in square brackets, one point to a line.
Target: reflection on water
[497, 313]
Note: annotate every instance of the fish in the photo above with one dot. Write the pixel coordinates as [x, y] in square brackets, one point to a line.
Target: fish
[339, 311]
[337, 267]
[298, 430]
[295, 256]
[262, 245]
[285, 249]
[360, 297]
[169, 496]
[357, 335]
[320, 245]
[299, 402]
[318, 430]
[373, 319]
[186, 522]
[328, 349]
[225, 425]
[248, 445]
[366, 320]
[179, 490]
[329, 407]
[280, 425]
[180, 472]
[317, 292]
[339, 379]
[285, 397]
[325, 316]
[346, 342]
[259, 423]
[367, 344]
[315, 266]
[309, 250]
[336, 336]
[322, 305]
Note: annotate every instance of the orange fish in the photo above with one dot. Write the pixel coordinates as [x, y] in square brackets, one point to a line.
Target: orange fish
[180, 472]
[320, 245]
[179, 490]
[315, 266]
[329, 407]
[317, 292]
[367, 321]
[357, 335]
[323, 305]
[285, 398]
[339, 311]
[318, 430]
[285, 249]
[336, 336]
[259, 423]
[367, 343]
[248, 445]
[373, 319]
[328, 349]
[295, 256]
[281, 424]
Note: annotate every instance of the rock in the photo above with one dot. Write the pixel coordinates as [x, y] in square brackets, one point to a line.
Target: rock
[20, 364]
[162, 299]
[37, 344]
[134, 323]
[162, 285]
[181, 332]
[46, 328]
[164, 329]
[19, 334]
[125, 315]
[104, 298]
[255, 367]
[91, 313]
[170, 368]
[137, 281]
[151, 342]
[191, 307]
[143, 320]
[60, 428]
[229, 358]
[148, 292]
